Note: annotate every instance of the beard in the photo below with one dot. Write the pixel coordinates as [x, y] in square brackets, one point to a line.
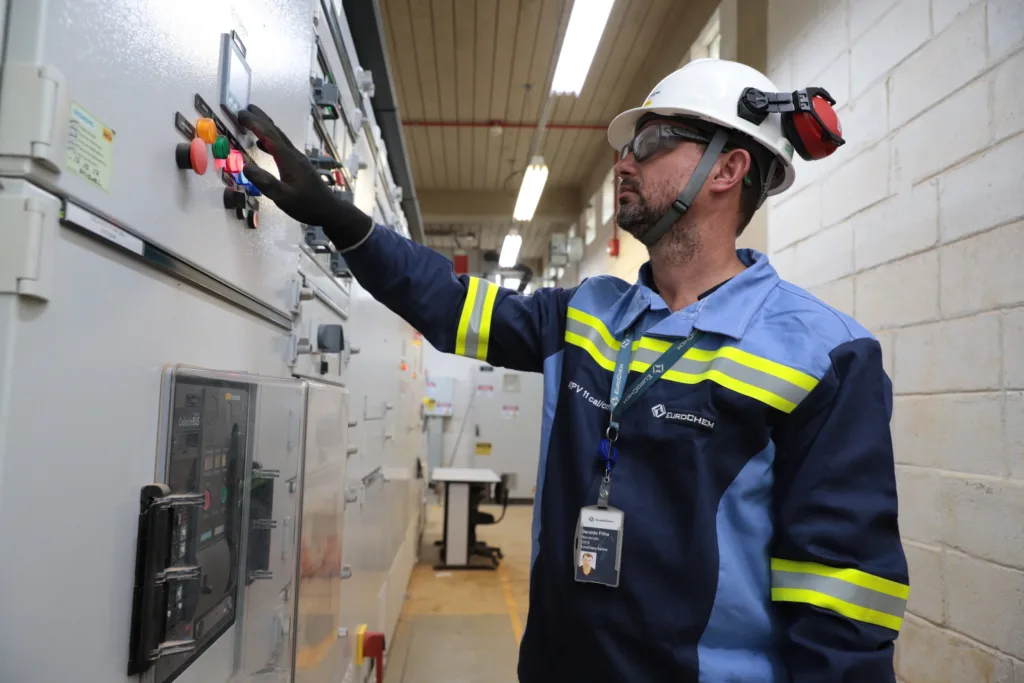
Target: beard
[639, 217]
[681, 243]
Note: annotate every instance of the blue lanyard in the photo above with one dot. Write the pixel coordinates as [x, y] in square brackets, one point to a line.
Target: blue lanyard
[619, 402]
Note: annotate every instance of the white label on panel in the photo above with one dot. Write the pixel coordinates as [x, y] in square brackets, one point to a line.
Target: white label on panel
[509, 412]
[90, 150]
[105, 229]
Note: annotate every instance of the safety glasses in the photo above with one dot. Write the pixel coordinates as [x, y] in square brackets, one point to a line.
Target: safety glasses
[659, 137]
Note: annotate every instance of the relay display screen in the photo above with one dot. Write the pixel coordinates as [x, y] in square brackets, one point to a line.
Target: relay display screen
[236, 77]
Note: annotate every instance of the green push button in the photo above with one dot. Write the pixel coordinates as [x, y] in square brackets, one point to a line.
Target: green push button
[221, 147]
[223, 495]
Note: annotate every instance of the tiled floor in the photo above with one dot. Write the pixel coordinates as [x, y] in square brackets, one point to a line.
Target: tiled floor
[464, 627]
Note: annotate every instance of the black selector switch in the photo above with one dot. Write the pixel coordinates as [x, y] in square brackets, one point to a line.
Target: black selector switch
[234, 199]
[330, 338]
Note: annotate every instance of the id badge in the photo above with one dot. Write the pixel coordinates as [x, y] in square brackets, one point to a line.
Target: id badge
[598, 549]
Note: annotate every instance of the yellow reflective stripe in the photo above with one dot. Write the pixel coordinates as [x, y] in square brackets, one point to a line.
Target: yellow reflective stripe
[589, 346]
[842, 607]
[467, 313]
[800, 379]
[485, 323]
[783, 397]
[659, 345]
[592, 322]
[716, 376]
[854, 576]
[722, 379]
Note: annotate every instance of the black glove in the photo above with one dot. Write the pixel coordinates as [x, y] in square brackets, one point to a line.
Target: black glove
[301, 192]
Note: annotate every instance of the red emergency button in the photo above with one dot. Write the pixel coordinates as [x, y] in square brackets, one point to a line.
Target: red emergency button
[192, 156]
[206, 499]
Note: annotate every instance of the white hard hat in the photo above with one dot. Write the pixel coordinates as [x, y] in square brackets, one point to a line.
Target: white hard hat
[710, 89]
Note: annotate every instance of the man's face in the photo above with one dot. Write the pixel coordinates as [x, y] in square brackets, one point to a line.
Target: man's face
[647, 188]
[586, 561]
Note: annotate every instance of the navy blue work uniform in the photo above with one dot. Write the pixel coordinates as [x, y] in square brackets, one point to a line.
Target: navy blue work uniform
[756, 476]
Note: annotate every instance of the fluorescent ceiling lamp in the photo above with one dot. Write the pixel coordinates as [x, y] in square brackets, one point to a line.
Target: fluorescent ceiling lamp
[510, 250]
[582, 36]
[528, 289]
[512, 282]
[531, 189]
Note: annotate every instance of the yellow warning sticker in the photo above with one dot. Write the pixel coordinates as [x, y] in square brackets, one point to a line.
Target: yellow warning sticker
[90, 151]
[483, 448]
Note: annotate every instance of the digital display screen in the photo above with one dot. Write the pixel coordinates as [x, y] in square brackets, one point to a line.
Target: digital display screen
[236, 78]
[238, 82]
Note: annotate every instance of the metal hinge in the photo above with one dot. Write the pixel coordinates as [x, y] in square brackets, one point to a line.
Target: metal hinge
[299, 293]
[34, 113]
[28, 242]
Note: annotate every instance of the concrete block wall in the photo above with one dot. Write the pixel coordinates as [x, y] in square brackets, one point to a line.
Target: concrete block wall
[916, 227]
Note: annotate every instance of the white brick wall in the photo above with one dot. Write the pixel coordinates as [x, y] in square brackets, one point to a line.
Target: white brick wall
[920, 235]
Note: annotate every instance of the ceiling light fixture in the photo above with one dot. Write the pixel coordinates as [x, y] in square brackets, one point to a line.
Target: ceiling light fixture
[510, 249]
[529, 192]
[512, 283]
[586, 26]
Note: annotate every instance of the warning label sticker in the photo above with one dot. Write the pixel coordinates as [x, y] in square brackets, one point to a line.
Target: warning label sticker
[90, 152]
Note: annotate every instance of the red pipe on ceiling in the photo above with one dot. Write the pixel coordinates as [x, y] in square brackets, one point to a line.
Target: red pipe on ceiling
[503, 124]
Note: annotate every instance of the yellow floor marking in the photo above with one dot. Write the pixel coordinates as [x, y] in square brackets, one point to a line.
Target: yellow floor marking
[513, 610]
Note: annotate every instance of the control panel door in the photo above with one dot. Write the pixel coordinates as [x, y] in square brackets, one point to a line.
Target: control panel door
[320, 648]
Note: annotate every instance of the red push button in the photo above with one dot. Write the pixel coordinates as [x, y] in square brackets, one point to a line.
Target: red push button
[206, 500]
[198, 156]
[192, 156]
[235, 161]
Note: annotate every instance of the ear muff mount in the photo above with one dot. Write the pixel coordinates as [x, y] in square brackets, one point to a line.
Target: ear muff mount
[808, 120]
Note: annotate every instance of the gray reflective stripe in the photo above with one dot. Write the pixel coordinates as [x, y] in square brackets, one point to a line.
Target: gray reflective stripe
[837, 588]
[744, 373]
[689, 366]
[476, 320]
[584, 330]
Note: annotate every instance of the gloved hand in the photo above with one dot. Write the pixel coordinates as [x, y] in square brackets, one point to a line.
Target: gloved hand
[301, 192]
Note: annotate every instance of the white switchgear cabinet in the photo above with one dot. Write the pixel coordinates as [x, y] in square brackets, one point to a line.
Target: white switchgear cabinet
[508, 406]
[124, 281]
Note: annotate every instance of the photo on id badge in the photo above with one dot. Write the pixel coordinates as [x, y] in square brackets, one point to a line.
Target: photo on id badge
[598, 546]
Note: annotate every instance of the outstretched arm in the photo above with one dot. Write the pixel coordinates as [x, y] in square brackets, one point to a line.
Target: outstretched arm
[457, 314]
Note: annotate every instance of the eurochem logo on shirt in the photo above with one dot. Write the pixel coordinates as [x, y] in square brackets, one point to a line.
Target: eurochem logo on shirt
[662, 413]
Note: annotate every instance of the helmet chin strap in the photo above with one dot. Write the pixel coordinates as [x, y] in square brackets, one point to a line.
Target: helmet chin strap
[689, 193]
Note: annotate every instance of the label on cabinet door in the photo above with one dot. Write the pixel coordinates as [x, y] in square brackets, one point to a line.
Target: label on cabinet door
[509, 412]
[90, 152]
[485, 390]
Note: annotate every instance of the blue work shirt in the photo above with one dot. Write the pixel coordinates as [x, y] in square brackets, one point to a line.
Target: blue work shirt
[756, 476]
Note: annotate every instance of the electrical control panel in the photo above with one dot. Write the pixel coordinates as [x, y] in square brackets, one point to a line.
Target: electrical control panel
[190, 531]
[218, 534]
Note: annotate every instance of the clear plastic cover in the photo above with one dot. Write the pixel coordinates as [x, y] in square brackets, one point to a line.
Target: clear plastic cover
[235, 439]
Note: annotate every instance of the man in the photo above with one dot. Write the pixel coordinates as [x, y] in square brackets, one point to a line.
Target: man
[734, 471]
[587, 563]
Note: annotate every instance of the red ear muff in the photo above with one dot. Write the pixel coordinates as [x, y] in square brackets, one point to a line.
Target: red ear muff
[808, 120]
